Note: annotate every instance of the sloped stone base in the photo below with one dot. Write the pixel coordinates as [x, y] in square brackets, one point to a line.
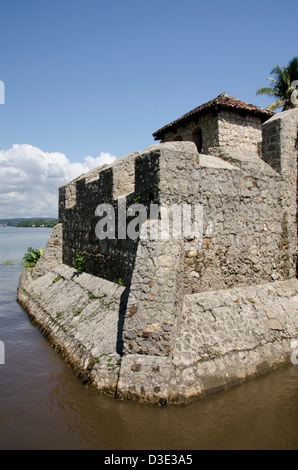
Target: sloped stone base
[222, 338]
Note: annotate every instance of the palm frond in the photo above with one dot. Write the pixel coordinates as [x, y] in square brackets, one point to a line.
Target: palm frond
[293, 69]
[276, 104]
[266, 91]
[281, 82]
[273, 80]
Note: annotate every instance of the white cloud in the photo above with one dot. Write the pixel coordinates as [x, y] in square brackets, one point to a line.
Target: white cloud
[30, 178]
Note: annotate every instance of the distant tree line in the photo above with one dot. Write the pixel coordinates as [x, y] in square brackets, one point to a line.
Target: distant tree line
[37, 223]
[34, 222]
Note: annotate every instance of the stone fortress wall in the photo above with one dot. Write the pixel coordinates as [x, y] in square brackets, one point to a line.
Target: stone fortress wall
[171, 320]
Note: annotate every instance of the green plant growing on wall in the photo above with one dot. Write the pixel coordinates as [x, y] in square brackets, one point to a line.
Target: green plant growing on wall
[94, 360]
[80, 263]
[93, 297]
[137, 198]
[31, 256]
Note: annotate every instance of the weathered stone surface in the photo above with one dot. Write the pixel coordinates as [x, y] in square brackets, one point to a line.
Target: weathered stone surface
[145, 378]
[230, 331]
[52, 254]
[80, 314]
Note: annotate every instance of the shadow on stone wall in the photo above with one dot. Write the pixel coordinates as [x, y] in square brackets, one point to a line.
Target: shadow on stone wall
[110, 258]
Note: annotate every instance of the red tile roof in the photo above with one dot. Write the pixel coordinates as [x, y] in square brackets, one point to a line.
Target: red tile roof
[222, 101]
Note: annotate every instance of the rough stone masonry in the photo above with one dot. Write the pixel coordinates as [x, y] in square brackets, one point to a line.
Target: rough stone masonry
[171, 320]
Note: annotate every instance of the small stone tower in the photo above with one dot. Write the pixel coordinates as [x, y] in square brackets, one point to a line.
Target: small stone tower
[219, 125]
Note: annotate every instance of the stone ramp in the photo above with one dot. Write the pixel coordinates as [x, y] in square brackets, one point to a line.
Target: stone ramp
[81, 316]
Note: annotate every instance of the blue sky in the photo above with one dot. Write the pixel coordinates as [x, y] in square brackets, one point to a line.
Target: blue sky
[95, 79]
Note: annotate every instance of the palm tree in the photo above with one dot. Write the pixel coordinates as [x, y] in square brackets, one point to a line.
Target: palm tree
[282, 86]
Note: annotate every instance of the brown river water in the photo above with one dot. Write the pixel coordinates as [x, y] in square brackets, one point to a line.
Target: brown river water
[44, 406]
